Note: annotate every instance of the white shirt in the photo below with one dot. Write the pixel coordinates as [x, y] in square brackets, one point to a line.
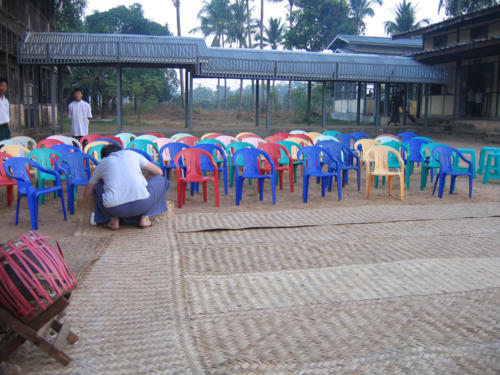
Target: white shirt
[4, 110]
[79, 113]
[122, 175]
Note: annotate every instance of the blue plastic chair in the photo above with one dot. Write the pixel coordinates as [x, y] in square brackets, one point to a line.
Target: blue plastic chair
[219, 157]
[173, 148]
[406, 136]
[359, 135]
[46, 158]
[347, 140]
[446, 155]
[312, 164]
[76, 166]
[249, 159]
[16, 168]
[62, 149]
[143, 153]
[347, 158]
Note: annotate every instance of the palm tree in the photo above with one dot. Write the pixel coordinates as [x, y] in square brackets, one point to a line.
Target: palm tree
[360, 9]
[213, 17]
[405, 19]
[177, 5]
[274, 33]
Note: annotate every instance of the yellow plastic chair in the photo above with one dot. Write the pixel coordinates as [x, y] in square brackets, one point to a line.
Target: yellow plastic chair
[377, 165]
[313, 135]
[302, 142]
[92, 144]
[239, 135]
[207, 135]
[16, 151]
[363, 145]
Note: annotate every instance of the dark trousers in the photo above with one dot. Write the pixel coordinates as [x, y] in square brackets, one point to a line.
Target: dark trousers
[4, 131]
[132, 212]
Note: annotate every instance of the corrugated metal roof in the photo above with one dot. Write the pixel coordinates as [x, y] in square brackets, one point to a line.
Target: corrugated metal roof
[378, 40]
[79, 48]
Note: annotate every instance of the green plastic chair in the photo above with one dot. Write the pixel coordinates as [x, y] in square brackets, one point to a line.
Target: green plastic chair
[46, 157]
[210, 141]
[290, 145]
[147, 146]
[147, 137]
[429, 164]
[95, 152]
[177, 136]
[492, 167]
[483, 155]
[332, 133]
[231, 149]
[126, 138]
[456, 161]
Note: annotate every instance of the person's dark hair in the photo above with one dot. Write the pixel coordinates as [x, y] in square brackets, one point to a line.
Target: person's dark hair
[77, 89]
[2, 80]
[109, 149]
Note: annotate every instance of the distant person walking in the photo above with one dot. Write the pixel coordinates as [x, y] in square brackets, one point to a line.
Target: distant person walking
[4, 111]
[79, 112]
[396, 103]
[478, 102]
[470, 102]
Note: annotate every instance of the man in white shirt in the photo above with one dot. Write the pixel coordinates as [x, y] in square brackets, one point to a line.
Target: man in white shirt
[79, 112]
[4, 111]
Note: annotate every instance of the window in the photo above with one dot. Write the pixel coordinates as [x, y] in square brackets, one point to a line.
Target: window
[479, 33]
[440, 41]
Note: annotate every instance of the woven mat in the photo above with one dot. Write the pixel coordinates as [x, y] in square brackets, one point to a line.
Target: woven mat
[345, 215]
[395, 297]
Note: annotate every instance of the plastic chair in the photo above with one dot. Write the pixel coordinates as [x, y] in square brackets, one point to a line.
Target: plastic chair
[76, 166]
[126, 138]
[226, 139]
[88, 139]
[95, 151]
[359, 135]
[492, 167]
[312, 158]
[446, 155]
[146, 137]
[379, 155]
[255, 141]
[250, 158]
[212, 135]
[278, 154]
[482, 157]
[206, 135]
[241, 136]
[177, 136]
[10, 141]
[347, 140]
[305, 137]
[167, 155]
[88, 146]
[193, 173]
[415, 145]
[231, 149]
[387, 137]
[46, 158]
[211, 141]
[143, 153]
[456, 162]
[17, 168]
[404, 151]
[112, 139]
[333, 133]
[15, 150]
[48, 143]
[158, 135]
[147, 146]
[313, 135]
[293, 149]
[62, 149]
[190, 141]
[24, 141]
[429, 164]
[67, 140]
[274, 139]
[297, 131]
[301, 141]
[346, 160]
[219, 155]
[324, 138]
[5, 180]
[406, 136]
[363, 145]
[283, 135]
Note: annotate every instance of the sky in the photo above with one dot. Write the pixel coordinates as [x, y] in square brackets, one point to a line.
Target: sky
[163, 11]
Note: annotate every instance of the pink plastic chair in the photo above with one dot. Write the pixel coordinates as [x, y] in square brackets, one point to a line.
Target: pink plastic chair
[190, 141]
[254, 141]
[226, 139]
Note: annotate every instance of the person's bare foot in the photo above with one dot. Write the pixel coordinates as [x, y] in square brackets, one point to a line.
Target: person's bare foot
[145, 222]
[114, 223]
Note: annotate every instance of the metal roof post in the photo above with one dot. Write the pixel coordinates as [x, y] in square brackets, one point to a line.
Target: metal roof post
[308, 115]
[119, 121]
[364, 97]
[377, 104]
[190, 102]
[60, 105]
[186, 99]
[323, 106]
[257, 103]
[405, 104]
[268, 104]
[358, 105]
[387, 98]
[426, 105]
[53, 99]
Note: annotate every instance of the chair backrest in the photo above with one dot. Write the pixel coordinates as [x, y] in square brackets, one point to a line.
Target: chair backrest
[18, 168]
[359, 135]
[11, 141]
[45, 157]
[212, 135]
[211, 141]
[62, 149]
[160, 142]
[241, 136]
[177, 136]
[24, 141]
[191, 160]
[3, 157]
[427, 155]
[95, 151]
[88, 146]
[302, 142]
[406, 136]
[305, 137]
[347, 140]
[235, 147]
[77, 165]
[159, 135]
[415, 145]
[16, 150]
[146, 146]
[380, 156]
[146, 137]
[427, 139]
[169, 151]
[313, 135]
[89, 138]
[445, 155]
[255, 141]
[67, 140]
[143, 153]
[274, 139]
[363, 145]
[283, 135]
[48, 143]
[217, 152]
[387, 137]
[292, 147]
[112, 139]
[277, 152]
[126, 138]
[325, 138]
[312, 156]
[297, 131]
[333, 133]
[190, 141]
[249, 159]
[402, 148]
[339, 151]
[226, 139]
[206, 135]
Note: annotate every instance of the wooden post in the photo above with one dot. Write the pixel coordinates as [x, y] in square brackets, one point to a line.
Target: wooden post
[323, 106]
[268, 103]
[119, 121]
[308, 115]
[257, 103]
[358, 105]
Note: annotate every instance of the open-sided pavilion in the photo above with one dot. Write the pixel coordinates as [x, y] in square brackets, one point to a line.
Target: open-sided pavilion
[57, 50]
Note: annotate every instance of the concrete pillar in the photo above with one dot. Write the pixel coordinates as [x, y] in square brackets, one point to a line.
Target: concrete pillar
[377, 104]
[268, 103]
[458, 88]
[426, 105]
[53, 99]
[190, 100]
[186, 99]
[323, 106]
[119, 120]
[387, 98]
[364, 98]
[257, 103]
[405, 104]
[358, 104]
[309, 91]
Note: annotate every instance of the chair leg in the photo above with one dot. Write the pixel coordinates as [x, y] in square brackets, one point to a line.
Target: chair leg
[216, 188]
[273, 189]
[261, 188]
[401, 187]
[61, 195]
[17, 208]
[471, 179]
[179, 193]
[441, 185]
[224, 176]
[205, 187]
[281, 179]
[305, 188]
[9, 195]
[358, 176]
[324, 181]
[291, 176]
[339, 191]
[33, 205]
[391, 179]
[435, 184]
[452, 184]
[236, 192]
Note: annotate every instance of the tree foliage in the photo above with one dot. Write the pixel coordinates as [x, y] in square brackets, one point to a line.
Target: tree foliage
[69, 14]
[454, 8]
[360, 9]
[405, 19]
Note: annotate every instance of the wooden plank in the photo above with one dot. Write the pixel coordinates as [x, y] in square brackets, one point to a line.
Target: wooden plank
[62, 335]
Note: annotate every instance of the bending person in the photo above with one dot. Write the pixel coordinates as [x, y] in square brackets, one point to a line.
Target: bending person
[122, 192]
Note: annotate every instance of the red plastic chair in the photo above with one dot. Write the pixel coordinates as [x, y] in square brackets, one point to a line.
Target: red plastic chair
[4, 180]
[48, 143]
[90, 138]
[249, 135]
[190, 141]
[274, 138]
[283, 135]
[303, 136]
[192, 164]
[159, 135]
[275, 152]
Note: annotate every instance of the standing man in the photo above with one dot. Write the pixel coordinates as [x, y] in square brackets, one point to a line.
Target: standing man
[478, 99]
[79, 112]
[4, 111]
